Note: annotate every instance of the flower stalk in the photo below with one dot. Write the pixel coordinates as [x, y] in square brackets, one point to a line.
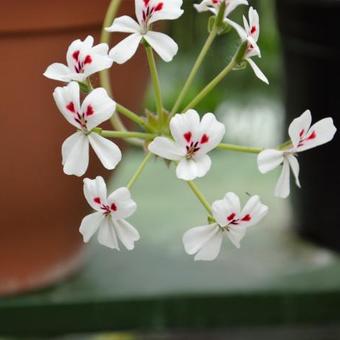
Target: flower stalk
[194, 188]
[139, 171]
[239, 148]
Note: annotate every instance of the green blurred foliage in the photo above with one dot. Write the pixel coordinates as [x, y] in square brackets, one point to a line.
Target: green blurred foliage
[190, 32]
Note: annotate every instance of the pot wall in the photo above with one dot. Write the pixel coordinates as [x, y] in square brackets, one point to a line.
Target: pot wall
[41, 207]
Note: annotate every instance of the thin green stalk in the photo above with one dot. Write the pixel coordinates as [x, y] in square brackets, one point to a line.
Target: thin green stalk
[155, 81]
[199, 195]
[194, 70]
[285, 145]
[200, 58]
[126, 134]
[239, 148]
[212, 85]
[139, 170]
[131, 115]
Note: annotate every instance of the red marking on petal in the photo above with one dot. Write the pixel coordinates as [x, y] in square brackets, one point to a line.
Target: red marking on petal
[246, 218]
[97, 200]
[75, 55]
[146, 3]
[301, 133]
[89, 111]
[71, 107]
[204, 139]
[187, 136]
[231, 217]
[253, 30]
[312, 136]
[113, 207]
[159, 7]
[88, 60]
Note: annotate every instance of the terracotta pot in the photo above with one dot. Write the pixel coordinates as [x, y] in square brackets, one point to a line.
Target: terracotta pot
[42, 207]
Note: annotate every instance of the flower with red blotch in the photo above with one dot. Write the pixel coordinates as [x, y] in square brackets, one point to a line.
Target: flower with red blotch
[96, 108]
[110, 215]
[214, 5]
[147, 12]
[303, 137]
[205, 241]
[193, 139]
[83, 59]
[250, 33]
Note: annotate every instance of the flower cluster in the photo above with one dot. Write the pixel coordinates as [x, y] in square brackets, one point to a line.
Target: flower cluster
[180, 136]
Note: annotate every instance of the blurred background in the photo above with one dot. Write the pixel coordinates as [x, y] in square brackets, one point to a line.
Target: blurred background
[285, 279]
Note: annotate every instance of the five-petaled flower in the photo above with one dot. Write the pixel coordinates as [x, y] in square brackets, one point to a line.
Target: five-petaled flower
[214, 6]
[83, 59]
[193, 139]
[250, 34]
[96, 108]
[109, 218]
[205, 241]
[303, 137]
[147, 12]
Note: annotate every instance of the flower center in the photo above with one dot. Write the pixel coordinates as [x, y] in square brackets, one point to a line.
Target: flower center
[79, 64]
[233, 220]
[193, 146]
[107, 209]
[80, 118]
[148, 11]
[305, 138]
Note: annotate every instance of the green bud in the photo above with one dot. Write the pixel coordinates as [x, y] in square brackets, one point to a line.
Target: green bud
[211, 23]
[224, 28]
[241, 66]
[84, 87]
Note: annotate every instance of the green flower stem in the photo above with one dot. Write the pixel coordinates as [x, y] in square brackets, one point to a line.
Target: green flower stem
[194, 70]
[155, 81]
[200, 196]
[104, 76]
[131, 115]
[212, 85]
[285, 145]
[200, 58]
[239, 148]
[139, 170]
[125, 134]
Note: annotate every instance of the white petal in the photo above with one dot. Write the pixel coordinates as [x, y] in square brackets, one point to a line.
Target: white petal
[282, 188]
[294, 165]
[124, 24]
[125, 206]
[195, 238]
[221, 209]
[90, 224]
[163, 45]
[238, 28]
[232, 6]
[102, 107]
[95, 192]
[269, 159]
[324, 131]
[107, 235]
[210, 249]
[299, 125]
[236, 234]
[259, 74]
[213, 130]
[181, 124]
[189, 169]
[108, 152]
[127, 234]
[75, 154]
[125, 50]
[254, 21]
[255, 209]
[68, 102]
[166, 148]
[171, 10]
[203, 6]
[58, 71]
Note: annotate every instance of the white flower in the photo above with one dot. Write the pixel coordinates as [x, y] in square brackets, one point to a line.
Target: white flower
[303, 137]
[250, 33]
[205, 241]
[147, 12]
[83, 59]
[109, 219]
[214, 5]
[193, 139]
[96, 108]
